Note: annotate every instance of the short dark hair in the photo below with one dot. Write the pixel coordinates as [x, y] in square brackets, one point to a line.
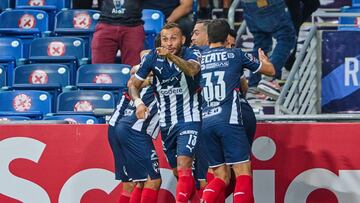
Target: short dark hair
[232, 33]
[218, 30]
[171, 25]
[205, 22]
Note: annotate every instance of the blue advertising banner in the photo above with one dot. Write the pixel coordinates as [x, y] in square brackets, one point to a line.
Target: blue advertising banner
[340, 71]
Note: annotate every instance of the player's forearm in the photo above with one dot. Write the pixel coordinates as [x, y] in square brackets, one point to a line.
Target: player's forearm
[189, 68]
[134, 88]
[267, 69]
[179, 12]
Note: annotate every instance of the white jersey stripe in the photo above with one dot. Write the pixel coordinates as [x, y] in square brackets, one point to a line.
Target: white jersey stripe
[186, 99]
[117, 113]
[234, 119]
[140, 122]
[173, 108]
[161, 105]
[153, 128]
[195, 109]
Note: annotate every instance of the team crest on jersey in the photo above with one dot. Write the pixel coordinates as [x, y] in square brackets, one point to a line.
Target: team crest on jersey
[38, 77]
[83, 106]
[82, 21]
[36, 2]
[251, 57]
[231, 55]
[103, 79]
[118, 7]
[56, 49]
[22, 103]
[27, 21]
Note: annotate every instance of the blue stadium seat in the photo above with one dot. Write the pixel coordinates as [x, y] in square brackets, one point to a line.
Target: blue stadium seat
[14, 118]
[78, 119]
[50, 6]
[61, 50]
[29, 103]
[41, 76]
[11, 52]
[103, 76]
[77, 23]
[3, 76]
[23, 24]
[84, 101]
[356, 3]
[352, 22]
[153, 22]
[4, 4]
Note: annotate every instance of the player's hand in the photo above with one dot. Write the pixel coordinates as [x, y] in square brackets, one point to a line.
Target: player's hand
[142, 111]
[262, 57]
[134, 69]
[161, 51]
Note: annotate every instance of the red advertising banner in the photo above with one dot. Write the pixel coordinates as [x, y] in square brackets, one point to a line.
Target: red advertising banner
[292, 163]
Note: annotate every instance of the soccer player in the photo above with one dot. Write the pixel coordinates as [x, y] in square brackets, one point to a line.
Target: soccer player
[136, 161]
[176, 72]
[199, 40]
[223, 130]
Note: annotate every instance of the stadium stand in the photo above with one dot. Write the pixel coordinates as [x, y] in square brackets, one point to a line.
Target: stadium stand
[11, 53]
[77, 23]
[61, 50]
[23, 24]
[30, 103]
[153, 22]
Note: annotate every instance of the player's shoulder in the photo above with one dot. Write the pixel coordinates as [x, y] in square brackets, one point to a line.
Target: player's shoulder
[199, 48]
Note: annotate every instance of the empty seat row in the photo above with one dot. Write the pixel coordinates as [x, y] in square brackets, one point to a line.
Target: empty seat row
[57, 76]
[36, 104]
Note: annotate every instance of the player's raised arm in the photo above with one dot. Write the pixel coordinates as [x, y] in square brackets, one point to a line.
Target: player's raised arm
[267, 68]
[190, 68]
[135, 84]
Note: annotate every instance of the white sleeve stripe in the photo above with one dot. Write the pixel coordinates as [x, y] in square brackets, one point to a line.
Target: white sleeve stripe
[139, 78]
[194, 61]
[258, 69]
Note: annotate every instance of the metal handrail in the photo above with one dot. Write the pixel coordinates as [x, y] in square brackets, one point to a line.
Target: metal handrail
[291, 82]
[231, 14]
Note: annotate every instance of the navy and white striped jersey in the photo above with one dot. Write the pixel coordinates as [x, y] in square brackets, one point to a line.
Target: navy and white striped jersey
[178, 95]
[221, 69]
[125, 113]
